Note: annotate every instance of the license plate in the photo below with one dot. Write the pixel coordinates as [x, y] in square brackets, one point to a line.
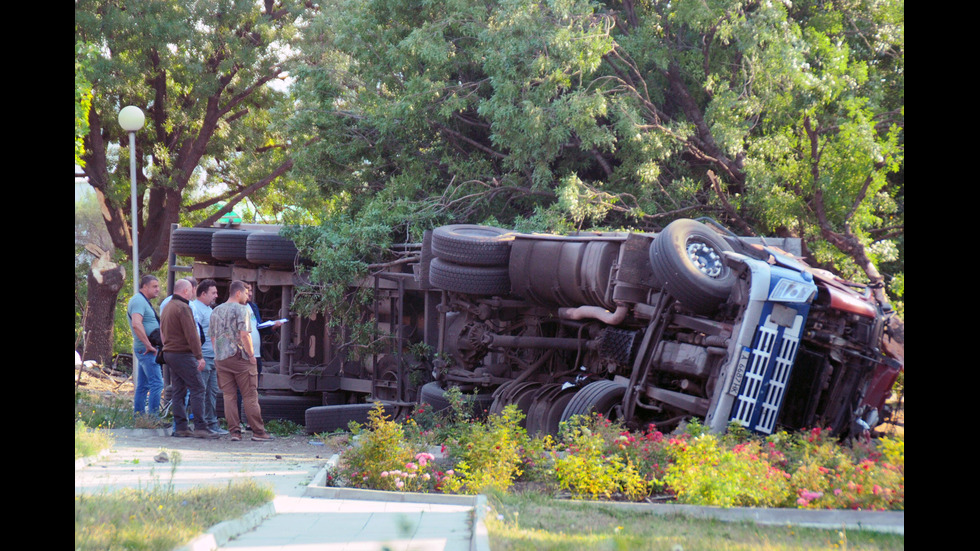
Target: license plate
[743, 362]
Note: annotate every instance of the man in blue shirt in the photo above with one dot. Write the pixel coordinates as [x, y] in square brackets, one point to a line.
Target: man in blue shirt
[144, 321]
[207, 295]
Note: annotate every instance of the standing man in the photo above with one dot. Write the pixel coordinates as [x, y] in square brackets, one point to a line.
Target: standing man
[144, 322]
[182, 353]
[234, 358]
[207, 294]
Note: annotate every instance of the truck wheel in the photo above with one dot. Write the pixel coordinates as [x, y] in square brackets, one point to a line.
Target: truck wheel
[288, 408]
[473, 280]
[687, 262]
[600, 397]
[472, 245]
[270, 249]
[331, 418]
[193, 242]
[230, 245]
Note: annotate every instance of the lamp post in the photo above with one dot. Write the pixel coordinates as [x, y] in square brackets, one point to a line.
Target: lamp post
[131, 119]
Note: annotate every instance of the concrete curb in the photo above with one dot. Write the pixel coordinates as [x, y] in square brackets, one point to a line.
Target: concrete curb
[223, 532]
[877, 521]
[480, 540]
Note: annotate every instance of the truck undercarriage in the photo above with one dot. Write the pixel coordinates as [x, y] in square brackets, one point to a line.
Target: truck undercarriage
[645, 328]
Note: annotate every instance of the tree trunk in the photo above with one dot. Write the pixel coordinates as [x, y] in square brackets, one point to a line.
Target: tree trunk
[105, 280]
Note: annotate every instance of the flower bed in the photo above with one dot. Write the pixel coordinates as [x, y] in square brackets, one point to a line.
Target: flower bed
[595, 458]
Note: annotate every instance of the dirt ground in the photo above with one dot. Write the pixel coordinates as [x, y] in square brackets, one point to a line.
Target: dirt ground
[295, 446]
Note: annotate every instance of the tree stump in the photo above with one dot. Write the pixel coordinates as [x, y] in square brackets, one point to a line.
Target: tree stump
[105, 280]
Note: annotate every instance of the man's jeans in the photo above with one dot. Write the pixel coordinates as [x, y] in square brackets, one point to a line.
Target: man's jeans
[209, 377]
[149, 380]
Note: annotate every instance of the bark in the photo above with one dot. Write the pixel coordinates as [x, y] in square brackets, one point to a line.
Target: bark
[105, 280]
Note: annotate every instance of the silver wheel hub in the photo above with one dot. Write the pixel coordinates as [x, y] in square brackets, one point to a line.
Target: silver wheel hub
[705, 259]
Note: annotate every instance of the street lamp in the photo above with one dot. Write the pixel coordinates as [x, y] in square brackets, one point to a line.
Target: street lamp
[131, 119]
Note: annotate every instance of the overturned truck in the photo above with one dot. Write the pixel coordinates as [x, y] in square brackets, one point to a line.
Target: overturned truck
[645, 328]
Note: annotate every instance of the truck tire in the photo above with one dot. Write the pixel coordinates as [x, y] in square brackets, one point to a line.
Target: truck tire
[288, 408]
[473, 280]
[230, 245]
[472, 245]
[686, 258]
[332, 418]
[193, 242]
[270, 249]
[600, 397]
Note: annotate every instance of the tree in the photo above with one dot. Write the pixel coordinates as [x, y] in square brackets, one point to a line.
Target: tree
[202, 72]
[773, 118]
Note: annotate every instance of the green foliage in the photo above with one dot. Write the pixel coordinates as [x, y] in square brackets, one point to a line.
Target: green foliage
[702, 472]
[866, 475]
[589, 469]
[488, 454]
[89, 442]
[597, 458]
[774, 118]
[159, 518]
[283, 427]
[381, 448]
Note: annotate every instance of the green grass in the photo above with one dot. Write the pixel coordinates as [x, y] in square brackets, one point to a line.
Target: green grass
[90, 442]
[535, 522]
[112, 412]
[160, 518]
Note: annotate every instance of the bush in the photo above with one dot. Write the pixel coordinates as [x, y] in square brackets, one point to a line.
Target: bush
[863, 476]
[598, 458]
[703, 472]
[588, 470]
[488, 454]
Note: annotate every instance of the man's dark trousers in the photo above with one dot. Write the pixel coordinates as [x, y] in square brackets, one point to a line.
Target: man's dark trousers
[184, 378]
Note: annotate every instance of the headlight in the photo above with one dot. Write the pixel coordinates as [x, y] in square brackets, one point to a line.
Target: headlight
[792, 291]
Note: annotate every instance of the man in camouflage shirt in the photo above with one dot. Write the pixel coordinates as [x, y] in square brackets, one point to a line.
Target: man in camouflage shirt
[234, 361]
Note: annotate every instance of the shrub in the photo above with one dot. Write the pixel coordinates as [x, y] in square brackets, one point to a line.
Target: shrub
[488, 454]
[860, 477]
[381, 449]
[587, 470]
[705, 473]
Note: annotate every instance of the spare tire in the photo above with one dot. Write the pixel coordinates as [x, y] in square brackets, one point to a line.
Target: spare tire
[686, 258]
[230, 245]
[472, 245]
[270, 249]
[193, 242]
[473, 280]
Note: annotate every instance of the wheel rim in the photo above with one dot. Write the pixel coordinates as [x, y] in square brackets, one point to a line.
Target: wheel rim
[705, 259]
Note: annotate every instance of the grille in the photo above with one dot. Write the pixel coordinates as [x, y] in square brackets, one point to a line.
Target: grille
[767, 371]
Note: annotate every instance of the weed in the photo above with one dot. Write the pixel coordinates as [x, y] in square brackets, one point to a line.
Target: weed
[90, 442]
[283, 427]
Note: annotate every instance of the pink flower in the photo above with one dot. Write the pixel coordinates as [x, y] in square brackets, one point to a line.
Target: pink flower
[384, 474]
[411, 466]
[399, 484]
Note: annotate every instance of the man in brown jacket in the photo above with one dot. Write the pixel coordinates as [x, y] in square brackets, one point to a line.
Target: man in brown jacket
[182, 353]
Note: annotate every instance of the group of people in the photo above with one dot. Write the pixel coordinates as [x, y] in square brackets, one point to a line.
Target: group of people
[206, 348]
